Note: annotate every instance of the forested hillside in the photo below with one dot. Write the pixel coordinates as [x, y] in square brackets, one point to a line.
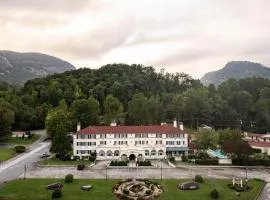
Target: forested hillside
[134, 95]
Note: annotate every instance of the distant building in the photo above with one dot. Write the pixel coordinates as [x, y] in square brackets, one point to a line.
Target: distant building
[132, 142]
[19, 134]
[259, 141]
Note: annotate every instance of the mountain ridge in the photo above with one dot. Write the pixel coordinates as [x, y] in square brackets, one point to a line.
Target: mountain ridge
[16, 67]
[236, 70]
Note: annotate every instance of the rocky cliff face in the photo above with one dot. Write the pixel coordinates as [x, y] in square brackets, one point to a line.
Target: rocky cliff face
[17, 68]
[236, 70]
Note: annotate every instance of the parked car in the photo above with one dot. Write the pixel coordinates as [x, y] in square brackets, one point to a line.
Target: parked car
[189, 186]
[45, 155]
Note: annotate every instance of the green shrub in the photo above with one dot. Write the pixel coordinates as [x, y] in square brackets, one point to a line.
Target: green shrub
[144, 163]
[19, 149]
[198, 179]
[213, 161]
[250, 162]
[172, 159]
[69, 178]
[81, 167]
[184, 158]
[214, 194]
[92, 158]
[119, 163]
[56, 194]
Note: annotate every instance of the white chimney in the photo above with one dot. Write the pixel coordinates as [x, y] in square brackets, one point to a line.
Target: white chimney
[181, 126]
[113, 123]
[78, 126]
[174, 123]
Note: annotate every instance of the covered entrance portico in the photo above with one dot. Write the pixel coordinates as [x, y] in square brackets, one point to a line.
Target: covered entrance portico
[132, 157]
[176, 151]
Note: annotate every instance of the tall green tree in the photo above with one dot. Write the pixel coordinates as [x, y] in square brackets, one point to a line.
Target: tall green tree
[112, 108]
[6, 118]
[58, 124]
[86, 111]
[136, 109]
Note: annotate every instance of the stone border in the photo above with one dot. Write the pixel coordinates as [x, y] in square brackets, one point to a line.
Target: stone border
[64, 165]
[135, 167]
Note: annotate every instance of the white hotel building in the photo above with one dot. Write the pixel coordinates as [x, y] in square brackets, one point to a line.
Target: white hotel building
[133, 142]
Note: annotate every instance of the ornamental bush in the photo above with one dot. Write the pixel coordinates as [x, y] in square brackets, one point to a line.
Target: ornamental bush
[19, 149]
[184, 158]
[56, 194]
[172, 159]
[119, 163]
[144, 163]
[214, 194]
[213, 161]
[69, 178]
[81, 167]
[198, 178]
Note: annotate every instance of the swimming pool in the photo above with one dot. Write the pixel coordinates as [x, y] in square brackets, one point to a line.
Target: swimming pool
[216, 153]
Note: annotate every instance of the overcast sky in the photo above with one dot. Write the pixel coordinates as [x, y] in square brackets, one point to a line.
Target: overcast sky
[179, 35]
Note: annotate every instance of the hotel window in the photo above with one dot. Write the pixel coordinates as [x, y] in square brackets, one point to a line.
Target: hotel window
[82, 136]
[102, 136]
[92, 136]
[153, 152]
[178, 142]
[159, 135]
[146, 153]
[184, 142]
[103, 142]
[123, 135]
[159, 142]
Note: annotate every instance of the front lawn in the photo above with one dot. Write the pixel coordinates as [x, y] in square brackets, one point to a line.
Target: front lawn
[34, 189]
[21, 141]
[55, 161]
[6, 153]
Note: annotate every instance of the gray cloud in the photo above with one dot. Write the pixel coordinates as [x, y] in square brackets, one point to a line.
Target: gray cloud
[189, 36]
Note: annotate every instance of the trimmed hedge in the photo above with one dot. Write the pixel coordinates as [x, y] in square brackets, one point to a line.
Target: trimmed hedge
[19, 149]
[144, 163]
[250, 162]
[119, 163]
[172, 159]
[206, 161]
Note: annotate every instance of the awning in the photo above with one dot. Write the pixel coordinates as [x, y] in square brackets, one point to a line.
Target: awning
[168, 149]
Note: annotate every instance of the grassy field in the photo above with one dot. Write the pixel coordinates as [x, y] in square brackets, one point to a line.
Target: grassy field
[6, 153]
[34, 189]
[21, 141]
[55, 161]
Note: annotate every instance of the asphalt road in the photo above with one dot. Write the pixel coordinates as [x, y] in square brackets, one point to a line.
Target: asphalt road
[15, 167]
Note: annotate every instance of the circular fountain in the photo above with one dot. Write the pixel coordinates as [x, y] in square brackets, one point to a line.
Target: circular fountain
[137, 190]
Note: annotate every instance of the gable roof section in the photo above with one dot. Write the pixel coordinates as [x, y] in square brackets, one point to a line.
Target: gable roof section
[129, 129]
[260, 144]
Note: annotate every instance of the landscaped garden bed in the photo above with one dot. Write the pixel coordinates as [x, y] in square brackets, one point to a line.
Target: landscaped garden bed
[34, 189]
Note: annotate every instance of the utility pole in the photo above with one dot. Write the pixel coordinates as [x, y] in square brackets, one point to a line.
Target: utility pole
[24, 175]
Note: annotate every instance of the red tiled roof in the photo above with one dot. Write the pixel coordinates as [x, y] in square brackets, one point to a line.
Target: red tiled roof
[129, 129]
[259, 144]
[255, 134]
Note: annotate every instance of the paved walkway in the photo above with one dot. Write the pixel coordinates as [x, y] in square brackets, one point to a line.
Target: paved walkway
[15, 167]
[266, 193]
